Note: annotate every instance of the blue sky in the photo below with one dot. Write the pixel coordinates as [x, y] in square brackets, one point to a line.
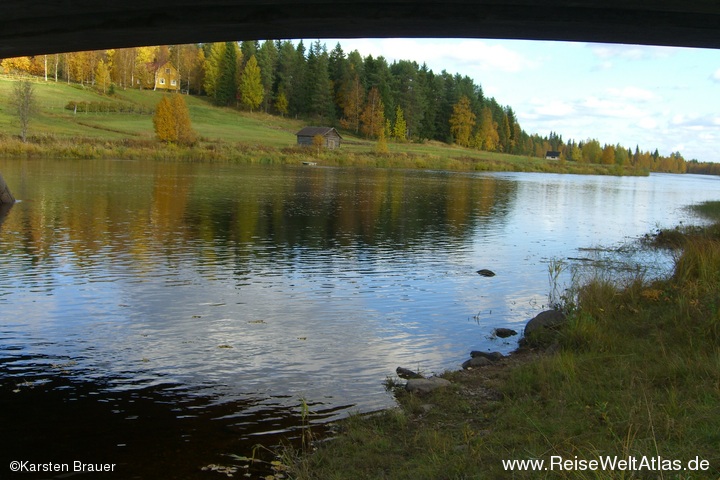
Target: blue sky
[655, 97]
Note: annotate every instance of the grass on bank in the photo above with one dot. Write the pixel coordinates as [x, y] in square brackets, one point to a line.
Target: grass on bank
[634, 373]
[226, 134]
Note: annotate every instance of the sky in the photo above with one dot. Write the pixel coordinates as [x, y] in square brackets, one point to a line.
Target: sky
[652, 97]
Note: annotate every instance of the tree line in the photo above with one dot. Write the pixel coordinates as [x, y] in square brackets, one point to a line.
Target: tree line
[400, 101]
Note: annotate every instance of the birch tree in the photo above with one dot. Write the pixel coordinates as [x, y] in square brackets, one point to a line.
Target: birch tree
[24, 104]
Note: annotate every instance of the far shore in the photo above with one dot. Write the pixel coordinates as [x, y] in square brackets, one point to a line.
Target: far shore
[50, 146]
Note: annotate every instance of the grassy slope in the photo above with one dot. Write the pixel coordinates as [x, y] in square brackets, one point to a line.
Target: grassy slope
[263, 138]
[636, 372]
[216, 124]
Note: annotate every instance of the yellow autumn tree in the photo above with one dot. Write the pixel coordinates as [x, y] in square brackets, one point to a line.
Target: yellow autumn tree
[251, 87]
[462, 122]
[373, 116]
[399, 131]
[487, 137]
[172, 121]
[102, 76]
[281, 103]
[16, 65]
[164, 121]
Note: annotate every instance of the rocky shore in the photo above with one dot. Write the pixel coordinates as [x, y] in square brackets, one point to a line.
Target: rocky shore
[543, 323]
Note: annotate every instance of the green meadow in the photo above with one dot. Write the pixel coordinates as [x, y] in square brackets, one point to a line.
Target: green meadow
[120, 126]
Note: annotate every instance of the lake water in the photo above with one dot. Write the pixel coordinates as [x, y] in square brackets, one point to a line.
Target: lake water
[162, 316]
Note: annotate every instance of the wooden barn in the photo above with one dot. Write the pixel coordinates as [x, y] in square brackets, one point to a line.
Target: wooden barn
[331, 138]
[552, 155]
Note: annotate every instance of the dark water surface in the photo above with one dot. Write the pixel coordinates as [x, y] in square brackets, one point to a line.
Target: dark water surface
[164, 317]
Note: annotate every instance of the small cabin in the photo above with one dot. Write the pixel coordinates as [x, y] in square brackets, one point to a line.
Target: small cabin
[552, 155]
[331, 138]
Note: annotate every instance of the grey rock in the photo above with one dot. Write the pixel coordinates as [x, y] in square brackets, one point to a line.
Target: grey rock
[494, 356]
[547, 319]
[426, 385]
[504, 332]
[407, 373]
[476, 362]
[5, 195]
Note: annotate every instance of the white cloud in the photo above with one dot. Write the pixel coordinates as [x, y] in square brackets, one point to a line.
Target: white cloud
[455, 56]
[648, 123]
[543, 107]
[629, 52]
[696, 122]
[632, 94]
[598, 107]
[716, 75]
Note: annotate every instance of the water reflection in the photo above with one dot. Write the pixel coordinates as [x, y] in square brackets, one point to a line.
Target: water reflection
[234, 292]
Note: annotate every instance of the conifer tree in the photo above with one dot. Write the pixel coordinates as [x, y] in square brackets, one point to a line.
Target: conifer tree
[172, 121]
[164, 122]
[211, 67]
[267, 59]
[281, 103]
[226, 88]
[319, 86]
[251, 87]
[185, 134]
[399, 131]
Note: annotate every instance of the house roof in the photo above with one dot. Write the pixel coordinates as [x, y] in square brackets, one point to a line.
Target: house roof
[312, 131]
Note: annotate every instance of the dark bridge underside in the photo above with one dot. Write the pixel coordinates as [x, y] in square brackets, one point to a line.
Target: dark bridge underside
[30, 27]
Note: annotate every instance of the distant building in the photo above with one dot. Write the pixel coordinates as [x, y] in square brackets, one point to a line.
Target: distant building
[167, 77]
[162, 77]
[552, 155]
[331, 137]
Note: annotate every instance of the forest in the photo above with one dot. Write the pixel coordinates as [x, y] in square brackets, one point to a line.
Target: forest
[400, 101]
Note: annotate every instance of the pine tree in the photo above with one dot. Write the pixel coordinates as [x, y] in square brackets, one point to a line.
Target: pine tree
[251, 87]
[211, 67]
[319, 86]
[226, 88]
[267, 59]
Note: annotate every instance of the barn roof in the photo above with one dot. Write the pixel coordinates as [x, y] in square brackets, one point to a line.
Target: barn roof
[312, 131]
